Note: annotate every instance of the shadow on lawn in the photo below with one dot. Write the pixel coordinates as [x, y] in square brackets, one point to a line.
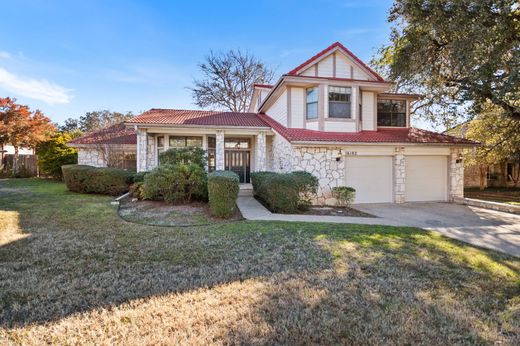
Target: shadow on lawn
[326, 283]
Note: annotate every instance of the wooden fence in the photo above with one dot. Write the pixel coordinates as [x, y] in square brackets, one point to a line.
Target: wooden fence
[27, 164]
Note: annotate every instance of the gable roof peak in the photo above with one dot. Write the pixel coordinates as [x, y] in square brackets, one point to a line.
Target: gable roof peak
[335, 45]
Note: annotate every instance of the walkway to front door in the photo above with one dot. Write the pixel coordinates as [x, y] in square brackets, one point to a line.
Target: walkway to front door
[239, 161]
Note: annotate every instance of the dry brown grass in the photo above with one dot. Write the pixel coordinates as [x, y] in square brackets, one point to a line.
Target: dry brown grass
[72, 272]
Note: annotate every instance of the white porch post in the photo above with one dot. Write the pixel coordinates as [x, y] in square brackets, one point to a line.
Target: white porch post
[219, 150]
[142, 149]
[260, 152]
[399, 176]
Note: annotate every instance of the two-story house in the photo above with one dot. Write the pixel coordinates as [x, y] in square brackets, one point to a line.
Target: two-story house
[332, 116]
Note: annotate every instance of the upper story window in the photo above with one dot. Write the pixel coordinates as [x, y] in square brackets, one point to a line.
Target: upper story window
[312, 103]
[185, 141]
[339, 102]
[391, 113]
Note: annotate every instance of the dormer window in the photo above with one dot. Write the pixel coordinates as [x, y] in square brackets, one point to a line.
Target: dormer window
[339, 102]
[391, 113]
[312, 103]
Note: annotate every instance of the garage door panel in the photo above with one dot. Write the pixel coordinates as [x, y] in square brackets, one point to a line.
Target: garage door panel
[426, 178]
[371, 176]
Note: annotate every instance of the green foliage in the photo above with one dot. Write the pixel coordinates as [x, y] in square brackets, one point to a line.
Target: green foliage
[344, 195]
[139, 177]
[467, 50]
[104, 180]
[284, 192]
[186, 155]
[307, 185]
[137, 190]
[176, 183]
[223, 187]
[54, 153]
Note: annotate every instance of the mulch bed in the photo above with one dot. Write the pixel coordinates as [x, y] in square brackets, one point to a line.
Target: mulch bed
[335, 211]
[504, 195]
[157, 213]
[325, 210]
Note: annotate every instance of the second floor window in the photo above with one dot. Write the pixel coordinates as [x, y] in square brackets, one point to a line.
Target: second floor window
[312, 103]
[339, 102]
[391, 113]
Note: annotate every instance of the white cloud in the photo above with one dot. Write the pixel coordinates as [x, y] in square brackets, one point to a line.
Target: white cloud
[4, 55]
[42, 89]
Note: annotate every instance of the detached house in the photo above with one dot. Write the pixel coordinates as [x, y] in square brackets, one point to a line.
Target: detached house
[332, 116]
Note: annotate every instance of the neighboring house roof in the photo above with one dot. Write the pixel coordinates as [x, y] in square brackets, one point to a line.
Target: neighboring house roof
[397, 135]
[198, 118]
[268, 86]
[116, 134]
[328, 49]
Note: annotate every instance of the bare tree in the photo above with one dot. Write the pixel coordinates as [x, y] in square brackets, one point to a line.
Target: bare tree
[228, 80]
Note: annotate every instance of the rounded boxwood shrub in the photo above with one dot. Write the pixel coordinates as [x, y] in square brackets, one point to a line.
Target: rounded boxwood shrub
[100, 180]
[176, 183]
[188, 155]
[223, 187]
[284, 192]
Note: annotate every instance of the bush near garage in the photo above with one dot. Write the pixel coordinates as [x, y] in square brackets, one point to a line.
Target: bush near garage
[284, 192]
[223, 188]
[179, 183]
[100, 180]
[344, 195]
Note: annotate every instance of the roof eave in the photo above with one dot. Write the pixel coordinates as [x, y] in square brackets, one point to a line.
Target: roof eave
[338, 143]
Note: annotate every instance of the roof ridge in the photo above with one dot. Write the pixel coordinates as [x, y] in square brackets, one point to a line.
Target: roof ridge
[336, 44]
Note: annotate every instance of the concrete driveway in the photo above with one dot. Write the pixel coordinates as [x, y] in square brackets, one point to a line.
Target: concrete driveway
[482, 227]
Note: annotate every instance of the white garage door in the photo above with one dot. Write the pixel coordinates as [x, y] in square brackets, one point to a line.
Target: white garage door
[371, 176]
[426, 178]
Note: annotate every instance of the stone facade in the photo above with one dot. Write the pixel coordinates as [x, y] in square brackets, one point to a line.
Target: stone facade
[323, 163]
[260, 152]
[219, 150]
[283, 155]
[151, 153]
[456, 174]
[142, 149]
[399, 176]
[91, 157]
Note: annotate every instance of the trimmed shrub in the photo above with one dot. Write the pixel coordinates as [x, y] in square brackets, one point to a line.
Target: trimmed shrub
[223, 187]
[176, 183]
[188, 155]
[103, 180]
[54, 153]
[284, 192]
[139, 177]
[307, 185]
[344, 195]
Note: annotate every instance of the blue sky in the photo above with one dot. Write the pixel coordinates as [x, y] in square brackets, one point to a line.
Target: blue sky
[70, 57]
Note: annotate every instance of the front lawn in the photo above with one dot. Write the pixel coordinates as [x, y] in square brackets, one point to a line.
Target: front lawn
[72, 271]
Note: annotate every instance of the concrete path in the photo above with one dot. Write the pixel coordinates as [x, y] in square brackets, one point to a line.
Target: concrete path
[481, 227]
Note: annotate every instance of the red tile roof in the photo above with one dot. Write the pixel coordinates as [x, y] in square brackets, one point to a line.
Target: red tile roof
[328, 49]
[200, 118]
[397, 135]
[116, 134]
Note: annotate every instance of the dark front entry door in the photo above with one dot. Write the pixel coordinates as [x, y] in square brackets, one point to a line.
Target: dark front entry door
[238, 161]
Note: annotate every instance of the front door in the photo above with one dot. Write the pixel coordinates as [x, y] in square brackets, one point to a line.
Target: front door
[238, 161]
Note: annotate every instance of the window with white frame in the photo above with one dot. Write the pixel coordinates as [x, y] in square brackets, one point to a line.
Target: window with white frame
[391, 113]
[185, 141]
[160, 145]
[312, 103]
[339, 102]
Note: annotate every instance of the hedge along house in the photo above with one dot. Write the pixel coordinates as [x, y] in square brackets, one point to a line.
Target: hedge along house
[332, 116]
[114, 146]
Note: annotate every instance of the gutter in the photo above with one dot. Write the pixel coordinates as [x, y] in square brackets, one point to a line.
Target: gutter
[316, 143]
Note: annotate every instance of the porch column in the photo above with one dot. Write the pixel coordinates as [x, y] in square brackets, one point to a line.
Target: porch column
[456, 174]
[219, 150]
[260, 152]
[399, 175]
[142, 149]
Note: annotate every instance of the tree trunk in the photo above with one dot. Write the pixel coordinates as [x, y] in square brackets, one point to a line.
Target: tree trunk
[15, 160]
[482, 176]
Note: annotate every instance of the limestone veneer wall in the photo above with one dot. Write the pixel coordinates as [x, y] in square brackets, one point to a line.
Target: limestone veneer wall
[91, 157]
